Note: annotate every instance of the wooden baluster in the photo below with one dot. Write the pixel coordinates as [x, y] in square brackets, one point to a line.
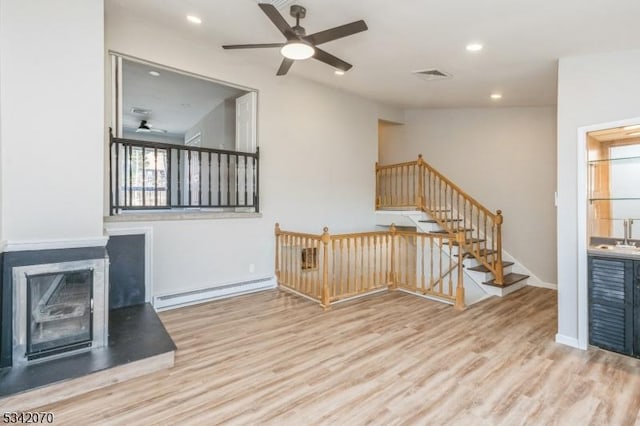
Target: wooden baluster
[459, 304]
[303, 265]
[285, 255]
[407, 277]
[296, 263]
[420, 170]
[431, 253]
[499, 272]
[334, 267]
[485, 236]
[493, 243]
[372, 283]
[377, 200]
[451, 264]
[392, 267]
[362, 272]
[478, 236]
[422, 277]
[348, 264]
[278, 247]
[428, 200]
[325, 268]
[440, 278]
[367, 272]
[450, 207]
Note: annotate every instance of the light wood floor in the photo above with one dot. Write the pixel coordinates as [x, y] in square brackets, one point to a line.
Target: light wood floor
[271, 358]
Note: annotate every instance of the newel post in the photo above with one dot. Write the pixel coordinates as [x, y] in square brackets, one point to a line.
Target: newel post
[326, 238]
[277, 268]
[420, 189]
[378, 186]
[459, 305]
[499, 270]
[392, 281]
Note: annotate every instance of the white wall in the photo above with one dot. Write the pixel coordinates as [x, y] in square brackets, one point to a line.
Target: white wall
[504, 158]
[318, 149]
[218, 127]
[592, 90]
[52, 129]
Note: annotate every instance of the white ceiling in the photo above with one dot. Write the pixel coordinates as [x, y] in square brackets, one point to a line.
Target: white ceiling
[523, 40]
[177, 101]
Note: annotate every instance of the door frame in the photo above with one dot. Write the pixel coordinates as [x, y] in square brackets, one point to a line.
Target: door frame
[582, 225]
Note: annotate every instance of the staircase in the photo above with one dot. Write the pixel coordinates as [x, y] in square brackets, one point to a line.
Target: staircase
[415, 195]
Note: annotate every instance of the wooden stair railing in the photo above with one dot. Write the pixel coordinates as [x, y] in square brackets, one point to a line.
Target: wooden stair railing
[416, 184]
[329, 268]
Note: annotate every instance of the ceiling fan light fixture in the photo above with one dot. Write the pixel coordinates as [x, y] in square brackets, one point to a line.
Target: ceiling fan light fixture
[297, 50]
[143, 127]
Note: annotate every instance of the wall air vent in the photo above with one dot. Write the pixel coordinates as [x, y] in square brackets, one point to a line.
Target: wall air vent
[432, 74]
[279, 4]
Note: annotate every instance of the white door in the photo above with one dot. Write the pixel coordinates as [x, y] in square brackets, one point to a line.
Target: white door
[246, 141]
[246, 117]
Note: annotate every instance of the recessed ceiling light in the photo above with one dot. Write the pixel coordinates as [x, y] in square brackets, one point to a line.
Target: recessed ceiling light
[496, 96]
[635, 126]
[338, 72]
[154, 73]
[194, 19]
[474, 47]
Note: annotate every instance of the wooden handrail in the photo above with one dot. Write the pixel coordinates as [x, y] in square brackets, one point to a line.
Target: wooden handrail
[456, 187]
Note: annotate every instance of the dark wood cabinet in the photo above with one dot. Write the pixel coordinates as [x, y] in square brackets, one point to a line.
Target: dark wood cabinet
[614, 304]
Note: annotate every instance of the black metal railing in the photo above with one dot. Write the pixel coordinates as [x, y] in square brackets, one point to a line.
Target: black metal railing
[151, 175]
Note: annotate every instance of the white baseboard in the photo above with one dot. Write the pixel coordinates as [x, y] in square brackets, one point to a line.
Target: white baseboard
[28, 245]
[179, 300]
[569, 341]
[543, 285]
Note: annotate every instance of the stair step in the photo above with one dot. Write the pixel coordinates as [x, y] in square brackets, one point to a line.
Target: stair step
[470, 241]
[435, 221]
[444, 231]
[482, 268]
[483, 252]
[509, 279]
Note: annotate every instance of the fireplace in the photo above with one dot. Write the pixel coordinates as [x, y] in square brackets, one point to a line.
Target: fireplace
[59, 312]
[59, 309]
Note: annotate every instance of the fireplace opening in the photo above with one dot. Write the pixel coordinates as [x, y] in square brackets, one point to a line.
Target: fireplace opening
[59, 312]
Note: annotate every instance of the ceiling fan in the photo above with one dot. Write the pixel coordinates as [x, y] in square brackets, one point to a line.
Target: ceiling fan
[299, 45]
[145, 127]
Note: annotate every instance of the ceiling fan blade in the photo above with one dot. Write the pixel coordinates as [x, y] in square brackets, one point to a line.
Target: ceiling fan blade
[329, 59]
[278, 20]
[252, 46]
[285, 66]
[337, 32]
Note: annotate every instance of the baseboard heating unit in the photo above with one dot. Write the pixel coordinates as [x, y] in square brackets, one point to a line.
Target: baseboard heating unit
[177, 300]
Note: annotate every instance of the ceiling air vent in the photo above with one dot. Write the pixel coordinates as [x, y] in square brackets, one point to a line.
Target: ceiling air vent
[432, 74]
[279, 4]
[141, 111]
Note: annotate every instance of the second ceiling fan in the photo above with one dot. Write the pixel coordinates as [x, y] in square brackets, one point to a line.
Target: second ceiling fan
[299, 45]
